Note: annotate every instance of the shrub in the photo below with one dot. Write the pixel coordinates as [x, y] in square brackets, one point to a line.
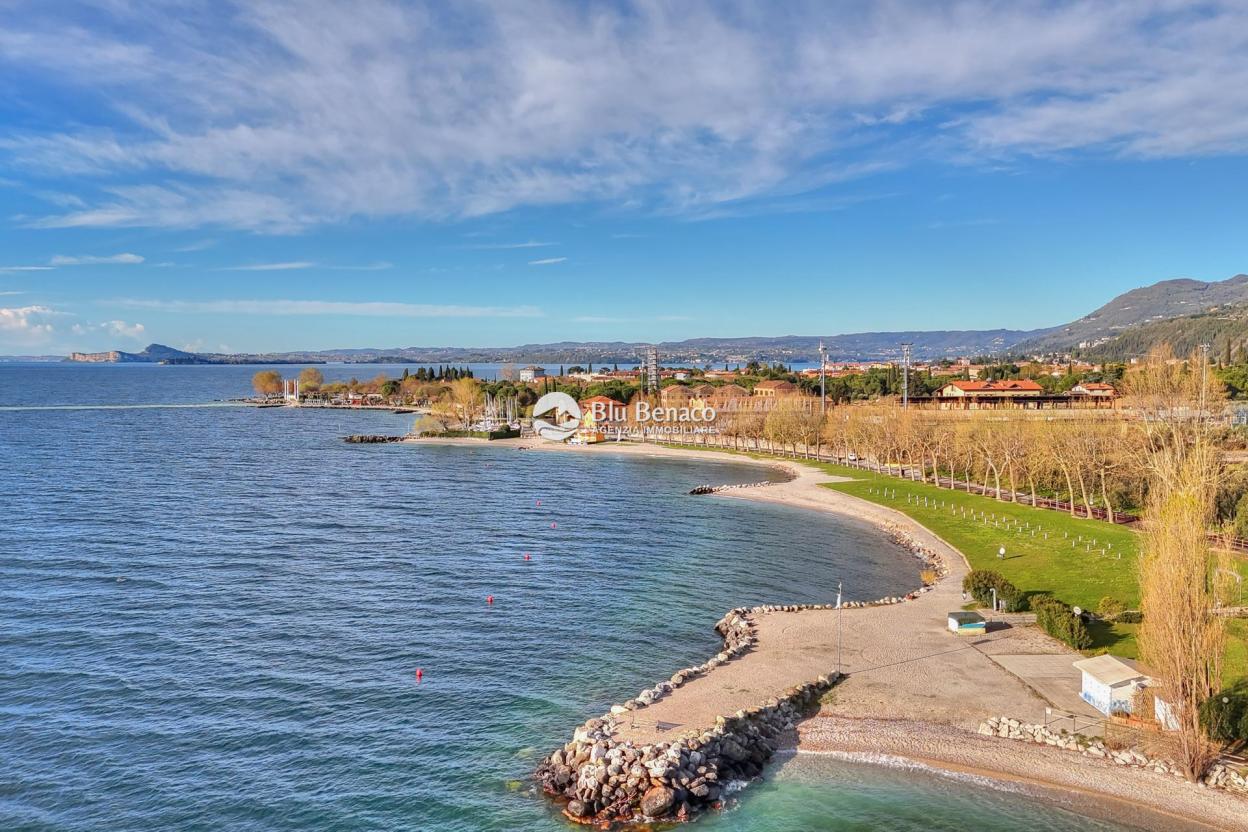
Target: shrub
[928, 577]
[1130, 617]
[1060, 621]
[1110, 607]
[1225, 721]
[981, 582]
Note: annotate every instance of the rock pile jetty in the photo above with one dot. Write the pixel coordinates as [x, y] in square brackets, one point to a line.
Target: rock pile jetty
[370, 438]
[1219, 776]
[604, 781]
[601, 779]
[717, 489]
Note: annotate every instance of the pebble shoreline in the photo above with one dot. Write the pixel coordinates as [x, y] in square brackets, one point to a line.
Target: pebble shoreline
[1219, 776]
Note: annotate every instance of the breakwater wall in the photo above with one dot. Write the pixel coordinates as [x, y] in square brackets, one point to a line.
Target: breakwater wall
[370, 439]
[602, 780]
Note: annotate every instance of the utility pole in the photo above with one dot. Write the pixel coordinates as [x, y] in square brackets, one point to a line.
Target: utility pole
[1204, 372]
[823, 398]
[823, 379]
[905, 375]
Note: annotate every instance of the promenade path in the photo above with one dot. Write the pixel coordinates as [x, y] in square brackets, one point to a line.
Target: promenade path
[902, 662]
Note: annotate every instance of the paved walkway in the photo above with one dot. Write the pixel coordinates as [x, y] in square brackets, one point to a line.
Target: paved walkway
[902, 661]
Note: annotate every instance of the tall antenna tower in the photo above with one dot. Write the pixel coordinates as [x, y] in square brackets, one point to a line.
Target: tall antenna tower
[652, 369]
[905, 374]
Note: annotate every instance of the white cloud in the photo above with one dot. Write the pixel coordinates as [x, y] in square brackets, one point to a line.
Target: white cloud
[94, 260]
[379, 266]
[528, 244]
[377, 309]
[284, 114]
[198, 245]
[26, 268]
[118, 329]
[26, 324]
[272, 267]
[123, 329]
[548, 261]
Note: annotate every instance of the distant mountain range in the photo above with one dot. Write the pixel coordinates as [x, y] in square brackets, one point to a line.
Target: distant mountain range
[1161, 301]
[1225, 330]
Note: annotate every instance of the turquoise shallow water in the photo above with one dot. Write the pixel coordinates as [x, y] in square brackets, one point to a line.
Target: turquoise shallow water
[212, 617]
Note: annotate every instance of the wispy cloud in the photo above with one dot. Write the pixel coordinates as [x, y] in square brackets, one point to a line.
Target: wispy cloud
[255, 120]
[97, 260]
[548, 261]
[116, 329]
[198, 245]
[26, 268]
[376, 309]
[287, 266]
[379, 266]
[504, 246]
[295, 265]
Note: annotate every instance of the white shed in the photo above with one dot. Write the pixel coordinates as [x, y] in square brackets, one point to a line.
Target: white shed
[1110, 683]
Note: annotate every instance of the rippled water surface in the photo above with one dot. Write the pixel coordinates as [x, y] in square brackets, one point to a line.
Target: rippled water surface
[212, 616]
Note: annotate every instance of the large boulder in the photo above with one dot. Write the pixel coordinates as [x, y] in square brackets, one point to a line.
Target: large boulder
[657, 801]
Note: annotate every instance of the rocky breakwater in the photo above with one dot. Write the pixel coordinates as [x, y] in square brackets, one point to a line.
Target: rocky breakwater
[370, 439]
[719, 489]
[603, 780]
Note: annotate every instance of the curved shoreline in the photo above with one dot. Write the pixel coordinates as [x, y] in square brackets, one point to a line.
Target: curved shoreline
[933, 725]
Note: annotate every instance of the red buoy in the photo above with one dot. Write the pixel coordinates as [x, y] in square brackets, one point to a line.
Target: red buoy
[527, 556]
[419, 675]
[539, 502]
[489, 599]
[554, 525]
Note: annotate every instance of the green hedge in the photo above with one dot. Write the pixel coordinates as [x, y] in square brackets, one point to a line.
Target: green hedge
[980, 583]
[1059, 620]
[1225, 721]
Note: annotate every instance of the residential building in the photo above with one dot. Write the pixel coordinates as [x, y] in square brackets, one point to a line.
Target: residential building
[1094, 388]
[532, 373]
[774, 388]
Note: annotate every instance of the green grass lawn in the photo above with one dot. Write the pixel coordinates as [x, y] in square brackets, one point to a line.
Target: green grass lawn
[1077, 561]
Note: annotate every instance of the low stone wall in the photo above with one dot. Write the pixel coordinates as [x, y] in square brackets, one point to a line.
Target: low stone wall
[1220, 776]
[370, 439]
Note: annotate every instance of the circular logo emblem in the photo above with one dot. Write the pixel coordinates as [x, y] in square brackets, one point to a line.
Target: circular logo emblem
[556, 416]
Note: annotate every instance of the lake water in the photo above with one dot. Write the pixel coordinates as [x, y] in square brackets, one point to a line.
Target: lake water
[213, 616]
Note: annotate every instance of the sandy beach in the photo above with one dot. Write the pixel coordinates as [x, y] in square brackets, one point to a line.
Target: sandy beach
[914, 690]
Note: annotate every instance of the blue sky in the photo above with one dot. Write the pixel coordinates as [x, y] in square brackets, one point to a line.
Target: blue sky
[272, 176]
